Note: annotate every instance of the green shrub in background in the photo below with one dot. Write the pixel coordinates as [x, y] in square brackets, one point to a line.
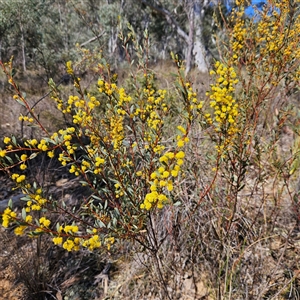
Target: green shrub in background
[130, 148]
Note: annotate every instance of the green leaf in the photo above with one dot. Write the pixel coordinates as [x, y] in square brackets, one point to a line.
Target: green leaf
[26, 198]
[100, 224]
[182, 73]
[9, 204]
[13, 139]
[129, 128]
[23, 213]
[51, 83]
[180, 87]
[9, 159]
[13, 72]
[34, 233]
[97, 198]
[48, 140]
[20, 102]
[33, 155]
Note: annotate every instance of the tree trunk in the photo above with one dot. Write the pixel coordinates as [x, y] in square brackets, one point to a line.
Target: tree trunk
[198, 48]
[190, 43]
[199, 52]
[23, 48]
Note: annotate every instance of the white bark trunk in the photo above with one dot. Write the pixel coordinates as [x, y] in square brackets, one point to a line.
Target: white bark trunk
[23, 48]
[199, 51]
[198, 47]
[190, 42]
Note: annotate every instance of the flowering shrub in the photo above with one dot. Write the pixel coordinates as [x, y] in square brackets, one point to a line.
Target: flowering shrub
[126, 162]
[129, 144]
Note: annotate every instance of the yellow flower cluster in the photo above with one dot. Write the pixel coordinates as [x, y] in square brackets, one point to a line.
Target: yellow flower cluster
[192, 99]
[222, 101]
[37, 201]
[59, 103]
[92, 243]
[44, 222]
[31, 143]
[83, 107]
[109, 242]
[7, 140]
[74, 169]
[58, 240]
[106, 87]
[118, 190]
[23, 157]
[20, 230]
[238, 35]
[50, 153]
[2, 153]
[92, 102]
[18, 178]
[8, 216]
[70, 229]
[69, 68]
[64, 137]
[116, 130]
[181, 138]
[26, 119]
[42, 145]
[82, 118]
[123, 97]
[71, 244]
[157, 148]
[162, 180]
[98, 163]
[155, 104]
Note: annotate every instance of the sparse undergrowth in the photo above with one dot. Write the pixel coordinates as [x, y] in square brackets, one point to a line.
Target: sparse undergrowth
[202, 194]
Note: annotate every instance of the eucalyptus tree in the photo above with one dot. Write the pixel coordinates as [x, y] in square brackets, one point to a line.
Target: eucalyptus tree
[22, 29]
[6, 22]
[40, 34]
[186, 18]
